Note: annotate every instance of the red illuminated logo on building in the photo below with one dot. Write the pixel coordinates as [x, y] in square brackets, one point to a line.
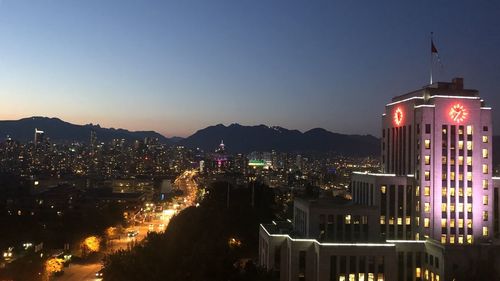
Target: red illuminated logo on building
[458, 113]
[398, 116]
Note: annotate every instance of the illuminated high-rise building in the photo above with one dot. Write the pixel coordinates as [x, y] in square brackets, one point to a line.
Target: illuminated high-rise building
[431, 214]
[440, 136]
[39, 136]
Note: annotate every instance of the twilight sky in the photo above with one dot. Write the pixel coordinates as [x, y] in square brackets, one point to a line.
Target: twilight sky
[178, 66]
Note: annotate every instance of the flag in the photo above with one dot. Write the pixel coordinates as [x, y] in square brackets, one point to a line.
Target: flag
[433, 48]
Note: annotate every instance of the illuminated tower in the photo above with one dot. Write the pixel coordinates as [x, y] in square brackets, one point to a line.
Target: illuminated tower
[441, 137]
[38, 138]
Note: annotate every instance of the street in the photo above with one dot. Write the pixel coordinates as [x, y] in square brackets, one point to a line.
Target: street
[148, 221]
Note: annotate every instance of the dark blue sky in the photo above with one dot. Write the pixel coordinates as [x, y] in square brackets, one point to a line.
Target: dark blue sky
[178, 66]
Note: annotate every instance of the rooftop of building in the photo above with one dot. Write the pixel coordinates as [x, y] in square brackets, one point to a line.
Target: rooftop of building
[334, 202]
[453, 88]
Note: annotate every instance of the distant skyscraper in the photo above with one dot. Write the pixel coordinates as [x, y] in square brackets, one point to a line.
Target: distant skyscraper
[39, 136]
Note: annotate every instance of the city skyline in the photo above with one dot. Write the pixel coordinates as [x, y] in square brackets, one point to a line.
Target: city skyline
[177, 68]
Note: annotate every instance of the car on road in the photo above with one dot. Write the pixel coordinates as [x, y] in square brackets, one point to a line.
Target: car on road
[99, 274]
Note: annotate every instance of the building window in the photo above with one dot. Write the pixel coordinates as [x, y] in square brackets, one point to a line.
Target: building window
[460, 223]
[443, 238]
[469, 239]
[469, 145]
[485, 153]
[460, 239]
[427, 128]
[452, 191]
[427, 144]
[460, 207]
[485, 168]
[469, 224]
[382, 219]
[427, 175]
[383, 189]
[485, 128]
[347, 219]
[469, 191]
[460, 145]
[427, 207]
[485, 184]
[485, 199]
[427, 160]
[443, 207]
[460, 160]
[452, 239]
[469, 207]
[452, 222]
[485, 139]
[426, 222]
[469, 176]
[469, 130]
[469, 161]
[443, 223]
[427, 191]
[485, 231]
[418, 272]
[485, 215]
[444, 191]
[417, 190]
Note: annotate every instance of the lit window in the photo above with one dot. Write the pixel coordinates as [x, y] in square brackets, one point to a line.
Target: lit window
[383, 189]
[443, 238]
[380, 277]
[452, 191]
[427, 175]
[352, 277]
[485, 184]
[382, 219]
[452, 176]
[460, 239]
[452, 239]
[371, 276]
[417, 272]
[485, 215]
[437, 277]
[426, 222]
[443, 159]
[485, 168]
[469, 207]
[427, 191]
[444, 191]
[460, 145]
[426, 274]
[469, 145]
[469, 130]
[427, 207]
[469, 191]
[461, 223]
[443, 207]
[485, 153]
[461, 207]
[452, 222]
[485, 231]
[460, 160]
[469, 239]
[417, 190]
[469, 223]
[427, 160]
[460, 191]
[452, 207]
[427, 144]
[400, 221]
[408, 220]
[347, 219]
[469, 160]
[485, 200]
[469, 176]
[361, 276]
[443, 222]
[485, 139]
[443, 176]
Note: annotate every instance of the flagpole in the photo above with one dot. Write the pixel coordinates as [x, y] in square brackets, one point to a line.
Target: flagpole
[431, 61]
